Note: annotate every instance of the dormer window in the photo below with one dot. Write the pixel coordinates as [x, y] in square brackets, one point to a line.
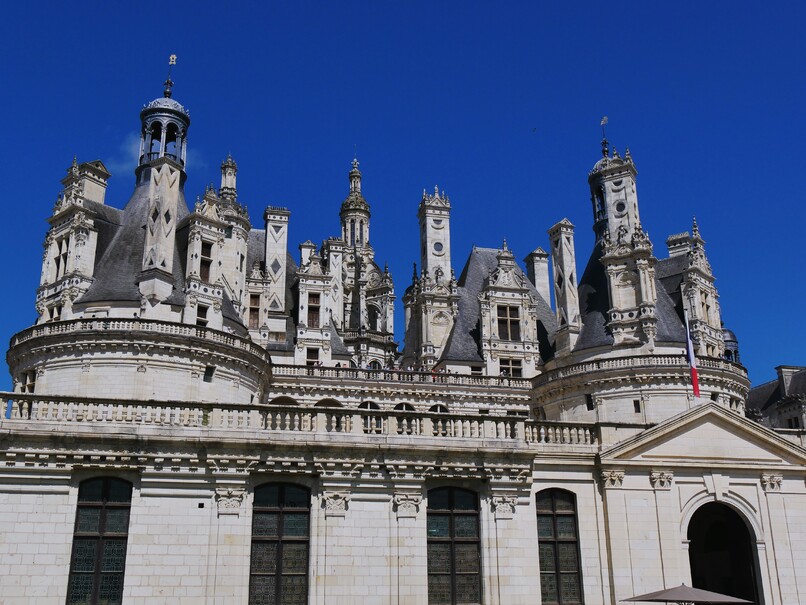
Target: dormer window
[206, 261]
[509, 325]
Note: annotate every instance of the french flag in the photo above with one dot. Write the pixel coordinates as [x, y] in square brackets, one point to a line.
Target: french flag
[692, 359]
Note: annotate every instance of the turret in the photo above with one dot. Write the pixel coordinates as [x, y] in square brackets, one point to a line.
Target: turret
[435, 233]
[355, 213]
[164, 129]
[626, 250]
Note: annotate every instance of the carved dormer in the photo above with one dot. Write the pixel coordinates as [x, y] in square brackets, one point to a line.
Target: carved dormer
[508, 321]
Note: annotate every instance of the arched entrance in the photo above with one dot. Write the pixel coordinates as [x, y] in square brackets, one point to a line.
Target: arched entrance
[722, 552]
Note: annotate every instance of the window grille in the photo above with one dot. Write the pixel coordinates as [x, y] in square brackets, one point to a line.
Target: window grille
[558, 544]
[99, 542]
[454, 553]
[280, 541]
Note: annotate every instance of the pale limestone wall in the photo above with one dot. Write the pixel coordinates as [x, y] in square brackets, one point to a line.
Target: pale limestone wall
[36, 534]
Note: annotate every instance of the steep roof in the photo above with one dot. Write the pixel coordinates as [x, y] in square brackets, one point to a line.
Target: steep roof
[119, 255]
[594, 303]
[464, 341]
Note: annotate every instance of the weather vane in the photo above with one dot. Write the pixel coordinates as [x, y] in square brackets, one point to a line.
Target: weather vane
[169, 83]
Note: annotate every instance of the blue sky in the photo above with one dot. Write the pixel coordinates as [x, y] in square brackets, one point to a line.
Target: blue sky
[497, 103]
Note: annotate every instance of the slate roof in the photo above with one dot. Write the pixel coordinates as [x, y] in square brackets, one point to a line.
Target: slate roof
[464, 340]
[594, 303]
[766, 395]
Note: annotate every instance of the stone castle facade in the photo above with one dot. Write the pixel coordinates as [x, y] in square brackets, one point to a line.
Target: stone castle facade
[200, 416]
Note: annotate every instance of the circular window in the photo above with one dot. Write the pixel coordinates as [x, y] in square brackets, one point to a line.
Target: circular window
[438, 247]
[620, 207]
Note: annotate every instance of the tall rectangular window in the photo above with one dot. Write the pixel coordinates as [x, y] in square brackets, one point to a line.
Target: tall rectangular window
[28, 382]
[254, 311]
[99, 542]
[62, 252]
[206, 261]
[314, 301]
[558, 544]
[280, 534]
[454, 552]
[509, 324]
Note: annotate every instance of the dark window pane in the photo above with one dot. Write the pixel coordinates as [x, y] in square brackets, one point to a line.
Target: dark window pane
[294, 590]
[566, 527]
[569, 588]
[264, 557]
[267, 496]
[295, 524]
[117, 520]
[564, 502]
[438, 498]
[467, 558]
[464, 500]
[568, 556]
[544, 502]
[439, 558]
[548, 588]
[439, 526]
[91, 490]
[468, 590]
[545, 527]
[439, 590]
[265, 524]
[120, 490]
[548, 561]
[111, 589]
[296, 497]
[262, 590]
[89, 520]
[80, 589]
[84, 554]
[465, 526]
[114, 555]
[295, 558]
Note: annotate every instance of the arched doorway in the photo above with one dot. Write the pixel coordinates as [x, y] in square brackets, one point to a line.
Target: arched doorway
[722, 552]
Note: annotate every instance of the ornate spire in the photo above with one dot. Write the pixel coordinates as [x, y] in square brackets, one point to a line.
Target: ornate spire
[355, 177]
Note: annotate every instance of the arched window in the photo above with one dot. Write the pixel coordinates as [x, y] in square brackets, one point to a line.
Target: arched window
[558, 544]
[454, 553]
[99, 542]
[373, 424]
[280, 534]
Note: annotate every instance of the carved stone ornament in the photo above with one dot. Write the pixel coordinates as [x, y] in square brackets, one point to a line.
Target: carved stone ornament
[336, 504]
[229, 500]
[770, 482]
[504, 506]
[612, 478]
[661, 479]
[406, 505]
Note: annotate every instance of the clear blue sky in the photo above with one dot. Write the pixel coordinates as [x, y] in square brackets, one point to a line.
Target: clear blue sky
[497, 103]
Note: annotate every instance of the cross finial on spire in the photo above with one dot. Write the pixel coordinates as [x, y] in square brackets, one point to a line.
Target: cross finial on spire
[603, 123]
[169, 83]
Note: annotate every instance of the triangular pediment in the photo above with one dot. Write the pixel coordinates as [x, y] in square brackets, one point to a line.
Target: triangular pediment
[708, 434]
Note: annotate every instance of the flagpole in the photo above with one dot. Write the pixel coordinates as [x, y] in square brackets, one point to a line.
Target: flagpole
[692, 360]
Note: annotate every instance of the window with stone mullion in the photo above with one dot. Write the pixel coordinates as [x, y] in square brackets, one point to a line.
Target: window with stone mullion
[100, 539]
[280, 540]
[509, 326]
[558, 544]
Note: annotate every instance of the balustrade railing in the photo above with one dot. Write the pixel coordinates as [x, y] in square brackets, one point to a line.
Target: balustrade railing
[402, 376]
[636, 362]
[112, 324]
[32, 408]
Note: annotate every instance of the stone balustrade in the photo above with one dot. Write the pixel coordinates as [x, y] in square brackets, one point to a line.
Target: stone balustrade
[134, 325]
[280, 372]
[279, 419]
[637, 362]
